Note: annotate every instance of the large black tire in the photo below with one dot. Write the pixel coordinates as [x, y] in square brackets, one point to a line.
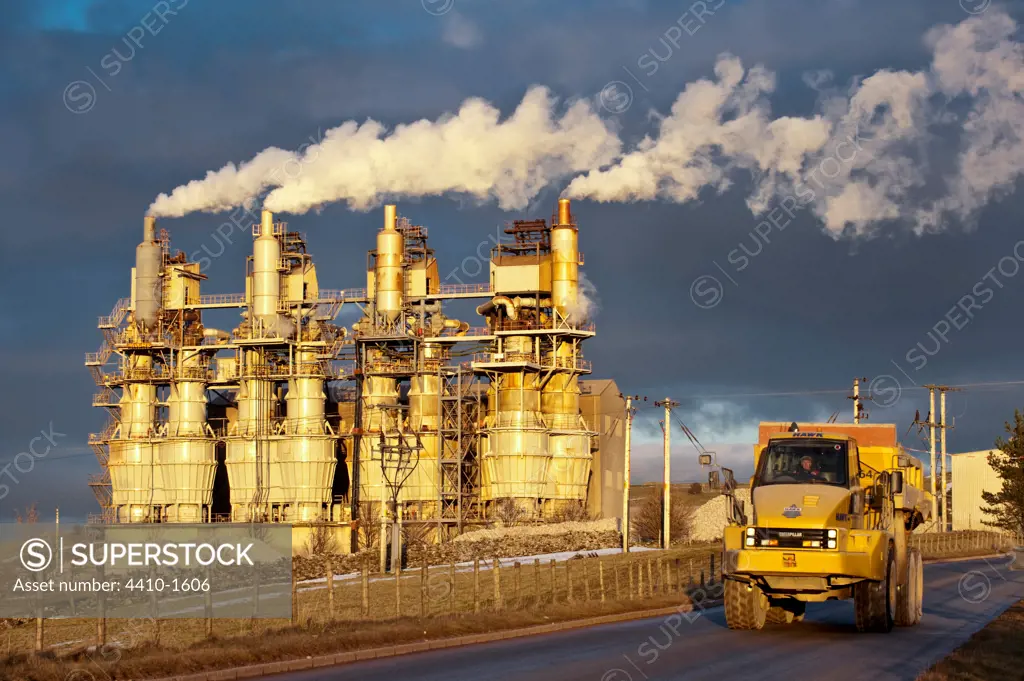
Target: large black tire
[906, 601]
[780, 615]
[919, 579]
[875, 602]
[746, 607]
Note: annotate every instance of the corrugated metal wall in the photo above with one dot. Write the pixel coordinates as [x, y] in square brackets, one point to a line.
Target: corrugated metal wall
[971, 476]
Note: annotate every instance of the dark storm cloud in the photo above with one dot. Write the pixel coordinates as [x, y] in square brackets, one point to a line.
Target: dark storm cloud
[223, 80]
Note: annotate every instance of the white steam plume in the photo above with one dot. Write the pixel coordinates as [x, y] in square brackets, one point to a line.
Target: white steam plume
[865, 159]
[473, 152]
[875, 153]
[587, 303]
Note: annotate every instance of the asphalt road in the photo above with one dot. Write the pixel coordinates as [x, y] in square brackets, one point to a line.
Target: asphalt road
[960, 599]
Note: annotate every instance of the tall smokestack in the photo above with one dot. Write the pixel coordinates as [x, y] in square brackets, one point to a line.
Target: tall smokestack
[148, 229]
[564, 212]
[390, 272]
[148, 288]
[565, 252]
[266, 279]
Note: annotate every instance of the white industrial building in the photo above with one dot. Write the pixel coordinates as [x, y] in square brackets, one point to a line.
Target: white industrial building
[972, 475]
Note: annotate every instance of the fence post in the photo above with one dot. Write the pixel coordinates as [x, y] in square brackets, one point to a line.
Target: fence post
[517, 593]
[497, 584]
[650, 578]
[366, 591]
[639, 579]
[295, 600]
[689, 573]
[679, 575]
[398, 593]
[39, 631]
[423, 588]
[154, 609]
[451, 593]
[551, 582]
[600, 577]
[101, 621]
[712, 568]
[536, 581]
[208, 606]
[632, 586]
[586, 580]
[618, 587]
[476, 585]
[330, 589]
[568, 580]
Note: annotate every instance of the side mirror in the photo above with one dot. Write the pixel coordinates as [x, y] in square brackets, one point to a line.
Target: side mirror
[896, 482]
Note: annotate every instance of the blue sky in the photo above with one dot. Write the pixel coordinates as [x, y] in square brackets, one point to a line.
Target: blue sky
[222, 80]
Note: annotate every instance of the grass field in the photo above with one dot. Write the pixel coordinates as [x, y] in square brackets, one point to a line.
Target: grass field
[996, 653]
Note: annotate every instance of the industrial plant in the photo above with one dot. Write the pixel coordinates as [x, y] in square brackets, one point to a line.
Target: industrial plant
[409, 415]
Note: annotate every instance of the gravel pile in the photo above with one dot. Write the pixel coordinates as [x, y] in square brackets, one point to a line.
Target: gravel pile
[520, 541]
[314, 567]
[710, 519]
[525, 540]
[609, 525]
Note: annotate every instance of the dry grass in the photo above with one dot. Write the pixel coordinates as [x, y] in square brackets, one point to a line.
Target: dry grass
[148, 661]
[996, 653]
[432, 604]
[430, 607]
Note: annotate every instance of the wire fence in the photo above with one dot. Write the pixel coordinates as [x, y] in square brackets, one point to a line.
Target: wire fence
[456, 589]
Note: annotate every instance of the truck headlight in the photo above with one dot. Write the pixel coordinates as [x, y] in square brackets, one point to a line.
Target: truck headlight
[831, 543]
[750, 531]
[750, 541]
[832, 534]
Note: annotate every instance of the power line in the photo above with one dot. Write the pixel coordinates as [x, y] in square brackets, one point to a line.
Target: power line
[845, 391]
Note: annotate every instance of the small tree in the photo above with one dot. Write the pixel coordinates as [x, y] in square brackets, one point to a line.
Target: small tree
[322, 541]
[31, 516]
[695, 488]
[507, 512]
[1006, 507]
[572, 511]
[647, 521]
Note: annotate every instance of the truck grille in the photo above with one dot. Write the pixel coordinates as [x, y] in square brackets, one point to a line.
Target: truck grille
[787, 538]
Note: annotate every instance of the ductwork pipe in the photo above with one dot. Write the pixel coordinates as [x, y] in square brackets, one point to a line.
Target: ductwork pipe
[216, 333]
[510, 308]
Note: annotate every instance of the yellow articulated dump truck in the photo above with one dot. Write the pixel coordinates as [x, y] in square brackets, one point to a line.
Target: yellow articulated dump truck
[832, 509]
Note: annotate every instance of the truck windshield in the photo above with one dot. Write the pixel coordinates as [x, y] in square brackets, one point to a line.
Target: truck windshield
[803, 462]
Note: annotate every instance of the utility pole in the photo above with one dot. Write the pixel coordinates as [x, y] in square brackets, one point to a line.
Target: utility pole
[931, 447]
[944, 467]
[943, 463]
[858, 405]
[625, 475]
[666, 497]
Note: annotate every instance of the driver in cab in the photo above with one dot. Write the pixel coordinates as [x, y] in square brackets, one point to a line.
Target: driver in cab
[808, 470]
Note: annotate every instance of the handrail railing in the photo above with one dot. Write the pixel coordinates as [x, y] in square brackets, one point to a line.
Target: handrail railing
[457, 289]
[342, 295]
[222, 299]
[116, 315]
